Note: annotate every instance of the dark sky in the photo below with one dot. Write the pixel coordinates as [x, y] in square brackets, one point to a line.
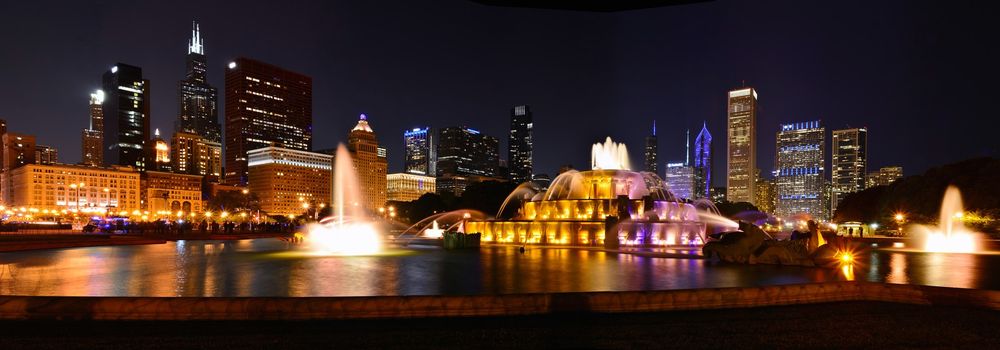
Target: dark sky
[919, 75]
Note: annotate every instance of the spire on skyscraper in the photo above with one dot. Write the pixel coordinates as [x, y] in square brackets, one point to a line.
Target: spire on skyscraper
[654, 127]
[687, 148]
[196, 44]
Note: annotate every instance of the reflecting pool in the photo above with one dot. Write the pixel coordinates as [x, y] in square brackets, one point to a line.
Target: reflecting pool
[265, 267]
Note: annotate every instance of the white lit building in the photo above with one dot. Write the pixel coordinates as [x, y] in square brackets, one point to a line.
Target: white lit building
[405, 187]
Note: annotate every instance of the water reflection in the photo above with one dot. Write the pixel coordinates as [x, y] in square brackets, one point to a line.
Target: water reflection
[258, 268]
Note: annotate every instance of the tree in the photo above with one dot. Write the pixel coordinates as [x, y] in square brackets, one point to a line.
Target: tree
[234, 201]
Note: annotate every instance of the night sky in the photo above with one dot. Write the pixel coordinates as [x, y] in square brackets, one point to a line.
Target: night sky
[920, 76]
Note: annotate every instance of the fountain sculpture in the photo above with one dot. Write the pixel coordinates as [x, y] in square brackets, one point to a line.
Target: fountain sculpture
[349, 231]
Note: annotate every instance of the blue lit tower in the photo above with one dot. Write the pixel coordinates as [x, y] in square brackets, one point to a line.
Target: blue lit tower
[418, 144]
[703, 162]
[799, 171]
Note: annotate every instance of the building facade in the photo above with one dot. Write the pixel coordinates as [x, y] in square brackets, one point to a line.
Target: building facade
[799, 170]
[265, 105]
[741, 152]
[766, 198]
[885, 176]
[92, 138]
[46, 154]
[18, 150]
[418, 144]
[370, 163]
[285, 179]
[73, 187]
[651, 152]
[465, 151]
[405, 187]
[703, 163]
[170, 192]
[520, 145]
[680, 179]
[850, 163]
[126, 116]
[196, 155]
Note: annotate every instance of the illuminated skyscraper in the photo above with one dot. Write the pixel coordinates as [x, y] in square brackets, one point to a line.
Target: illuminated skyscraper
[159, 158]
[799, 172]
[265, 106]
[369, 162]
[198, 113]
[703, 163]
[196, 155]
[126, 116]
[92, 138]
[680, 180]
[651, 151]
[419, 149]
[741, 153]
[520, 144]
[850, 163]
[465, 156]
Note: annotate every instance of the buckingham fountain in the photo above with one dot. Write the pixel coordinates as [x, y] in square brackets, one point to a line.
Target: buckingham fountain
[609, 205]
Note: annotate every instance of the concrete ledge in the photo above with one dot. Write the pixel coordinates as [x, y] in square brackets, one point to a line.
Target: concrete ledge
[318, 308]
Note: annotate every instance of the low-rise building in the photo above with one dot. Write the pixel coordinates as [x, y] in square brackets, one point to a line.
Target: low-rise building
[72, 187]
[163, 191]
[405, 187]
[286, 179]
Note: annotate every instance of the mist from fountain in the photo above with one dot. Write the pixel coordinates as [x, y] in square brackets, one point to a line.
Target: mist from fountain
[609, 155]
[950, 236]
[349, 230]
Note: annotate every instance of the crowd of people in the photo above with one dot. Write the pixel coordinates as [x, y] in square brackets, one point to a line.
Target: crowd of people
[179, 227]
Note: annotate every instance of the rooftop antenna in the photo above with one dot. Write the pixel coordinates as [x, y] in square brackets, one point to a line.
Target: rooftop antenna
[687, 149]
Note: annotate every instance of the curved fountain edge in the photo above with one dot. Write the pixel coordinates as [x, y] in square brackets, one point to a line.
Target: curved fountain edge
[374, 307]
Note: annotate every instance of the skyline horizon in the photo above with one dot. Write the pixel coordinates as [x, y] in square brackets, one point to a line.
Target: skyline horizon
[330, 126]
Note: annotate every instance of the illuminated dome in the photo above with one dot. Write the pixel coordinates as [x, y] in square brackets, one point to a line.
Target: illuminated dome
[362, 124]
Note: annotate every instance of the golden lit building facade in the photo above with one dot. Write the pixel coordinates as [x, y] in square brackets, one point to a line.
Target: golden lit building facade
[170, 192]
[196, 155]
[369, 163]
[73, 188]
[405, 187]
[741, 152]
[286, 179]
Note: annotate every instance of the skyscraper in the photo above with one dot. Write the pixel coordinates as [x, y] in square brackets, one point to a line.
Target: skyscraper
[198, 113]
[18, 150]
[799, 172]
[369, 163]
[126, 124]
[680, 180]
[464, 156]
[520, 144]
[196, 155]
[703, 162]
[651, 151]
[418, 144]
[92, 138]
[47, 155]
[741, 153]
[850, 163]
[265, 105]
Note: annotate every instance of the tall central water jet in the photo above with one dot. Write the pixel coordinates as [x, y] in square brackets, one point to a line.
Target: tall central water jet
[349, 230]
[951, 236]
[609, 155]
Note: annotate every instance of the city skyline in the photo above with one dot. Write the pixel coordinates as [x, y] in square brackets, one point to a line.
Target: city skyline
[353, 77]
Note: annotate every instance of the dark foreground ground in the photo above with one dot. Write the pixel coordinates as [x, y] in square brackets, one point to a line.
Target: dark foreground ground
[835, 325]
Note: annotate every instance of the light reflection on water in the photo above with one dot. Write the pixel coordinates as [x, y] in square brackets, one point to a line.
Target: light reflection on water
[265, 268]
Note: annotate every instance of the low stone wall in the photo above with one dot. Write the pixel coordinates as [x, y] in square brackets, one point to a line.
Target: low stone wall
[316, 308]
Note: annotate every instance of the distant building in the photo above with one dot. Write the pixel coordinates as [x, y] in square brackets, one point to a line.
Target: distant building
[850, 162]
[766, 197]
[46, 154]
[198, 110]
[799, 169]
[419, 151]
[196, 155]
[281, 176]
[18, 150]
[741, 153]
[718, 194]
[126, 116]
[884, 176]
[542, 180]
[465, 156]
[520, 145]
[265, 105]
[405, 187]
[680, 180]
[370, 163]
[703, 163]
[159, 157]
[72, 187]
[92, 138]
[170, 192]
[651, 152]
